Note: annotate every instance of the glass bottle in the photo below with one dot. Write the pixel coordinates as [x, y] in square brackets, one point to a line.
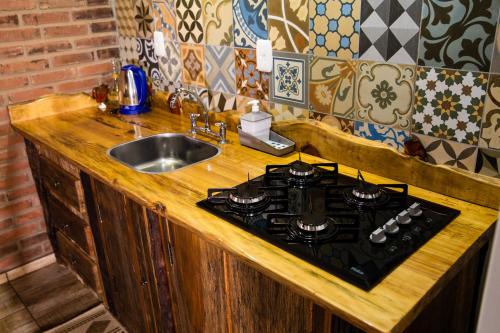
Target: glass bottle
[113, 102]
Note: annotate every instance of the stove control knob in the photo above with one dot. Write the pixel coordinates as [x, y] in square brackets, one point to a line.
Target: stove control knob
[415, 209]
[378, 236]
[403, 218]
[391, 227]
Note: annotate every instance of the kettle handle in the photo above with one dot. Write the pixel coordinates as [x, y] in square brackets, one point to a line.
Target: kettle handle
[142, 88]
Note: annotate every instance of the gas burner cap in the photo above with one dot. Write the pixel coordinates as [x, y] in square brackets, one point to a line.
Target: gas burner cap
[247, 196]
[301, 169]
[367, 192]
[309, 224]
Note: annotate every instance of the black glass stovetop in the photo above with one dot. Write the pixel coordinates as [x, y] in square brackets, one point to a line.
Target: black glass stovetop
[316, 218]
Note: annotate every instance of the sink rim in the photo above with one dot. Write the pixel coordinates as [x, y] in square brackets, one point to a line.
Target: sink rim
[167, 135]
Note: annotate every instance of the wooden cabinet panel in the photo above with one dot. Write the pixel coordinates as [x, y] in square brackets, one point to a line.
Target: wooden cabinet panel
[199, 282]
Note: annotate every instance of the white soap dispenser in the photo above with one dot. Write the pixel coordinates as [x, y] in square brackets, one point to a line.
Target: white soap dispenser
[256, 123]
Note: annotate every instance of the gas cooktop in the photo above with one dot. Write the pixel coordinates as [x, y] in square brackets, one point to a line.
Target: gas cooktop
[351, 228]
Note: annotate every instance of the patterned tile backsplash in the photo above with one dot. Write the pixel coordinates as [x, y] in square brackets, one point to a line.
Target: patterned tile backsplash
[385, 70]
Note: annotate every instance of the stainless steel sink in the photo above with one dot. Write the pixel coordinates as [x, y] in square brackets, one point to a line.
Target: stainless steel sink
[163, 152]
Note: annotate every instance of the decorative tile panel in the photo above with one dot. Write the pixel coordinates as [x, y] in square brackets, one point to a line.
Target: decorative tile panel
[488, 162]
[449, 104]
[250, 22]
[288, 25]
[440, 151]
[389, 30]
[220, 102]
[164, 18]
[289, 79]
[220, 70]
[125, 12]
[189, 21]
[332, 84]
[495, 62]
[218, 22]
[171, 65]
[385, 93]
[149, 62]
[282, 112]
[128, 50]
[193, 59]
[345, 125]
[490, 133]
[334, 28]
[249, 81]
[144, 18]
[458, 34]
[388, 135]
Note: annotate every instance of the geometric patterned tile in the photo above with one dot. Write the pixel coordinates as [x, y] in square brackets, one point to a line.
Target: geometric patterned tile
[242, 104]
[193, 59]
[385, 93]
[490, 133]
[440, 151]
[488, 162]
[332, 84]
[289, 79]
[125, 21]
[218, 20]
[389, 30]
[449, 104]
[345, 125]
[171, 64]
[219, 67]
[189, 21]
[495, 61]
[219, 102]
[164, 19]
[388, 135]
[458, 34]
[288, 25]
[149, 62]
[249, 81]
[250, 22]
[283, 112]
[334, 28]
[144, 19]
[128, 50]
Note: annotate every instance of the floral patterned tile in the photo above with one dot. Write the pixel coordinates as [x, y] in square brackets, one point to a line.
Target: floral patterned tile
[495, 62]
[171, 65]
[283, 112]
[189, 21]
[250, 22]
[193, 59]
[332, 84]
[385, 94]
[128, 50]
[458, 34]
[125, 12]
[164, 18]
[149, 62]
[218, 22]
[219, 66]
[249, 81]
[242, 104]
[440, 151]
[220, 102]
[490, 133]
[449, 104]
[488, 162]
[388, 135]
[389, 30]
[144, 18]
[334, 28]
[290, 76]
[288, 25]
[346, 125]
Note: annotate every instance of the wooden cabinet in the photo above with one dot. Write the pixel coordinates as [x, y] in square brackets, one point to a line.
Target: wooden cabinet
[134, 261]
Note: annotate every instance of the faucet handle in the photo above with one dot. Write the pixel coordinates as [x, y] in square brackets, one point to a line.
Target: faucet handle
[222, 131]
[221, 124]
[194, 116]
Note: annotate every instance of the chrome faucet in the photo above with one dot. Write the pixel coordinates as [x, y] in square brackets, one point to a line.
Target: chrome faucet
[221, 136]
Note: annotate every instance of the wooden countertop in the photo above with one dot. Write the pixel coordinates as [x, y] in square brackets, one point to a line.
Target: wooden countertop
[84, 136]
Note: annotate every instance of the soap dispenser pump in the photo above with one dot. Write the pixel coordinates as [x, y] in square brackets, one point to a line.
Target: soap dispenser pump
[256, 123]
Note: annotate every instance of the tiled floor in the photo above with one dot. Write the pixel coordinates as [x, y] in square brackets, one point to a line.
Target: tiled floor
[52, 298]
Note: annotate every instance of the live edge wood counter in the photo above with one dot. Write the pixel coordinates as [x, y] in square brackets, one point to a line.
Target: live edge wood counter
[84, 136]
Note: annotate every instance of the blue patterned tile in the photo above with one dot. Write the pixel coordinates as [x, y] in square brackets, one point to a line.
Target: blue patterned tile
[290, 76]
[250, 22]
[390, 136]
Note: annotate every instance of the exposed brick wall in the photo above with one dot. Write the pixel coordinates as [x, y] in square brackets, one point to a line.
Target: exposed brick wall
[46, 46]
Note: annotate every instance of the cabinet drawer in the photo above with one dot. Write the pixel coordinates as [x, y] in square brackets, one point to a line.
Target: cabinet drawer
[71, 225]
[78, 261]
[66, 187]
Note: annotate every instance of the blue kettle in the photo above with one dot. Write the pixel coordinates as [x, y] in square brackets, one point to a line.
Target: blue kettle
[133, 90]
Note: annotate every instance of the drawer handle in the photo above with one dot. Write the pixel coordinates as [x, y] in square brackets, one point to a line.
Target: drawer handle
[74, 261]
[66, 226]
[144, 283]
[57, 183]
